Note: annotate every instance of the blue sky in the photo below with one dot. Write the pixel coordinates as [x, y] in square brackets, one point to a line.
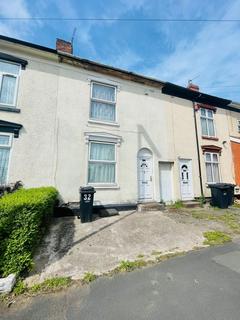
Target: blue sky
[208, 53]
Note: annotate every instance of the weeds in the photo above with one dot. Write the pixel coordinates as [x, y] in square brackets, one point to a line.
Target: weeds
[156, 253]
[229, 219]
[50, 285]
[167, 256]
[177, 205]
[89, 277]
[127, 266]
[202, 200]
[20, 288]
[215, 238]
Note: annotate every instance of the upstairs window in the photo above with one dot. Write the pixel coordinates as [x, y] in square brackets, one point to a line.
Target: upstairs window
[207, 123]
[212, 167]
[9, 73]
[103, 102]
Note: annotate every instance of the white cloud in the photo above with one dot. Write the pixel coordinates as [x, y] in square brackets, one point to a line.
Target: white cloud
[127, 59]
[16, 9]
[86, 29]
[212, 54]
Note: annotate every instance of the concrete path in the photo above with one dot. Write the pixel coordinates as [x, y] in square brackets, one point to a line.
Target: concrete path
[202, 285]
[72, 248]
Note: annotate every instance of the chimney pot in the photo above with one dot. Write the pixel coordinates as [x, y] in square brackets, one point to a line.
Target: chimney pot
[64, 46]
[193, 86]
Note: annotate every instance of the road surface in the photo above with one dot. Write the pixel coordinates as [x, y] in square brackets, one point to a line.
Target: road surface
[204, 284]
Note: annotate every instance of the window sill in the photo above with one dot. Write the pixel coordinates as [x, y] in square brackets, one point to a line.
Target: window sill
[113, 124]
[210, 138]
[105, 186]
[9, 109]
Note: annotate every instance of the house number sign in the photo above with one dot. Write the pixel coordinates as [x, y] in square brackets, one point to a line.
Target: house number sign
[87, 197]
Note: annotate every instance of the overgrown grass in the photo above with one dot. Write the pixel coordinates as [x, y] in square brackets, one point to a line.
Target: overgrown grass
[215, 238]
[89, 277]
[229, 219]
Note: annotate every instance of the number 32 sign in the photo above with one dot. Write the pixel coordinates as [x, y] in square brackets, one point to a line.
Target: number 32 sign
[87, 197]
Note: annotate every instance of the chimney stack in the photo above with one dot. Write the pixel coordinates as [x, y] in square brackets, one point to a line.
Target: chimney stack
[64, 46]
[192, 86]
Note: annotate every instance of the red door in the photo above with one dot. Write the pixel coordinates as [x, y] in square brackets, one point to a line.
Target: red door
[236, 160]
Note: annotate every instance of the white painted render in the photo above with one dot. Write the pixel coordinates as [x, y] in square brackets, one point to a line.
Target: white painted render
[52, 148]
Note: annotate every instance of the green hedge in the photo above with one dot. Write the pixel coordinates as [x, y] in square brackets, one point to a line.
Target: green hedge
[23, 217]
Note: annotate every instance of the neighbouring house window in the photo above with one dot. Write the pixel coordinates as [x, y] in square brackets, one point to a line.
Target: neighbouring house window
[238, 126]
[5, 145]
[212, 167]
[207, 123]
[9, 73]
[102, 163]
[103, 102]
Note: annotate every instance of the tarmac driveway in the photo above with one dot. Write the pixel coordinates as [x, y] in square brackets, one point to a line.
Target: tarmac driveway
[72, 248]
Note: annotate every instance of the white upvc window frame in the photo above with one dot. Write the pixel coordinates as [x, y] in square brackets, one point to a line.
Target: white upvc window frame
[238, 126]
[8, 146]
[113, 103]
[2, 74]
[206, 117]
[211, 163]
[102, 184]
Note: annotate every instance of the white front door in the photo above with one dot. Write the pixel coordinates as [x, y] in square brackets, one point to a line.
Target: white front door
[145, 175]
[166, 188]
[185, 169]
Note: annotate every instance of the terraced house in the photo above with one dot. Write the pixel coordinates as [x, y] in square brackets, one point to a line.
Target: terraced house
[69, 122]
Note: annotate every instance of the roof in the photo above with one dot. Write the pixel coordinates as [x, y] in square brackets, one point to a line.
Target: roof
[28, 44]
[192, 95]
[64, 57]
[167, 87]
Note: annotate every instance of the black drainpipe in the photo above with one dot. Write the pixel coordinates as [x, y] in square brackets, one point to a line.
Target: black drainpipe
[198, 153]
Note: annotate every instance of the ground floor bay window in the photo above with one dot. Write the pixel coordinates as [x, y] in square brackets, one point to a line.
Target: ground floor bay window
[212, 167]
[102, 163]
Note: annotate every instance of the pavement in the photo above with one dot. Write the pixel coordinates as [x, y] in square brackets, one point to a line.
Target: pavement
[72, 248]
[203, 285]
